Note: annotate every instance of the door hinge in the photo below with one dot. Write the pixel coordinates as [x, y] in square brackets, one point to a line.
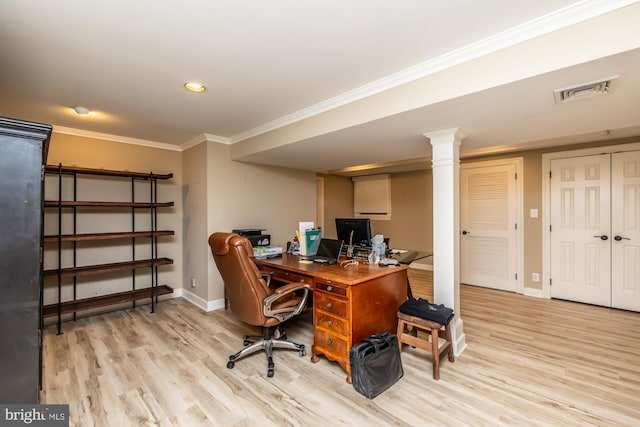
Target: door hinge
[516, 176]
[549, 228]
[516, 276]
[549, 174]
[550, 282]
[515, 225]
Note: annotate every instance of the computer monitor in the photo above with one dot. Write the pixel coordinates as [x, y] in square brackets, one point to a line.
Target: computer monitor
[360, 227]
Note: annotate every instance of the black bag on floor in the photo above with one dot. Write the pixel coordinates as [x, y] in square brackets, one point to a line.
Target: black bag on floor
[375, 364]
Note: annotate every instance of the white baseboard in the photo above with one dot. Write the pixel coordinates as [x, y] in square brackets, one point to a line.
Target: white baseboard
[201, 302]
[537, 293]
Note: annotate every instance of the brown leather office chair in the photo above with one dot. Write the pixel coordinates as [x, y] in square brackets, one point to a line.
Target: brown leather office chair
[252, 300]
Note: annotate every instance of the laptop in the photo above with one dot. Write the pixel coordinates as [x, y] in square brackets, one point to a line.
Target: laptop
[328, 251]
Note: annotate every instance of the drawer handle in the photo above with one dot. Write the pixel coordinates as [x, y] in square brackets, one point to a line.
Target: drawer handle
[329, 305]
[329, 288]
[329, 323]
[330, 341]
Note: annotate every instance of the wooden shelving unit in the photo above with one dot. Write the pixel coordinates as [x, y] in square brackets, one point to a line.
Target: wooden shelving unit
[153, 291]
[105, 300]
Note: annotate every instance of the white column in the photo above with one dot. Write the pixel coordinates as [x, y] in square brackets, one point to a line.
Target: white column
[446, 226]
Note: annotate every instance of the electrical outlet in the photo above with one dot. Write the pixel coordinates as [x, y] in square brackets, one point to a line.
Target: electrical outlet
[193, 282]
[535, 277]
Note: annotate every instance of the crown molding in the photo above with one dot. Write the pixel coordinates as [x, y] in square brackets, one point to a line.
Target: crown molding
[114, 138]
[203, 137]
[567, 16]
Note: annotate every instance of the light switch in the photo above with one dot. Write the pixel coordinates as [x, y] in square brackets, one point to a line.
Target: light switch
[533, 213]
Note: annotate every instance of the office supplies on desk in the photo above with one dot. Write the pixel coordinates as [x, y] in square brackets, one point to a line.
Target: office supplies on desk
[310, 241]
[262, 252]
[255, 236]
[328, 251]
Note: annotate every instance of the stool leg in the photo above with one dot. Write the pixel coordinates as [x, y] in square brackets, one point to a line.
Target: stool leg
[435, 354]
[400, 332]
[447, 330]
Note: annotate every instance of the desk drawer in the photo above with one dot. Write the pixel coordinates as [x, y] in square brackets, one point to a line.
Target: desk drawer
[286, 276]
[331, 287]
[332, 323]
[331, 342]
[335, 306]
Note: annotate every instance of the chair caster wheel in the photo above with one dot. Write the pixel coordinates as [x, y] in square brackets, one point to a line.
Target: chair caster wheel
[283, 337]
[302, 351]
[231, 364]
[245, 340]
[270, 373]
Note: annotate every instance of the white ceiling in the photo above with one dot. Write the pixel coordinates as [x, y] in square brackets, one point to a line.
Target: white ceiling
[272, 66]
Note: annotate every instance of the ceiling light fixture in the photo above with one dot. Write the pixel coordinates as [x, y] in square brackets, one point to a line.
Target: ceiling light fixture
[81, 111]
[194, 87]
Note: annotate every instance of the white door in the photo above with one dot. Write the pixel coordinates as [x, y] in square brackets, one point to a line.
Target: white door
[625, 228]
[580, 229]
[489, 198]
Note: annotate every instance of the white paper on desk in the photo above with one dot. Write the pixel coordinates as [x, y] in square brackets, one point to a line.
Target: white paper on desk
[304, 226]
[398, 251]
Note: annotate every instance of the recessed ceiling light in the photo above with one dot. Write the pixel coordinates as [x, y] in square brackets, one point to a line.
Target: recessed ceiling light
[82, 111]
[194, 87]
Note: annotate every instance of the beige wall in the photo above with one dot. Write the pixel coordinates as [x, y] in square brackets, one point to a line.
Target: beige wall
[243, 195]
[411, 224]
[194, 221]
[210, 192]
[338, 201]
[411, 206]
[96, 153]
[532, 233]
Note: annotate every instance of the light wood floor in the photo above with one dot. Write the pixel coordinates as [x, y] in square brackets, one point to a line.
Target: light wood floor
[529, 362]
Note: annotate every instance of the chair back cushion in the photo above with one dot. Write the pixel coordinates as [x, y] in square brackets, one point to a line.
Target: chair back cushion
[245, 288]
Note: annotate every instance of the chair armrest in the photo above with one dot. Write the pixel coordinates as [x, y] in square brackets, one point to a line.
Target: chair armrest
[283, 292]
[291, 287]
[266, 277]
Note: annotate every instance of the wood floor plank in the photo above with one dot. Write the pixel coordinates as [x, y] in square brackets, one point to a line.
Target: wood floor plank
[529, 362]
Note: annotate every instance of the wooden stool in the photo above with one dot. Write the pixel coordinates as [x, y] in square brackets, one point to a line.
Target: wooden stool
[408, 327]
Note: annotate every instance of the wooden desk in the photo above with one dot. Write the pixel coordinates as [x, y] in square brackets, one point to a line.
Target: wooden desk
[410, 255]
[349, 303]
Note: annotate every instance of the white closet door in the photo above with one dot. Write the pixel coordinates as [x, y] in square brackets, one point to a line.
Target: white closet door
[580, 234]
[488, 216]
[625, 228]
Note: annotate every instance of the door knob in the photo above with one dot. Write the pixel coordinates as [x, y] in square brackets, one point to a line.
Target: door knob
[465, 232]
[603, 237]
[618, 238]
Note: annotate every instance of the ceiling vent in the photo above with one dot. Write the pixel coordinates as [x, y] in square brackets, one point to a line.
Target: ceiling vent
[583, 91]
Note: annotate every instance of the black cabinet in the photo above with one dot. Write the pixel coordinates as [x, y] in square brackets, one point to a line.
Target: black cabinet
[23, 152]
